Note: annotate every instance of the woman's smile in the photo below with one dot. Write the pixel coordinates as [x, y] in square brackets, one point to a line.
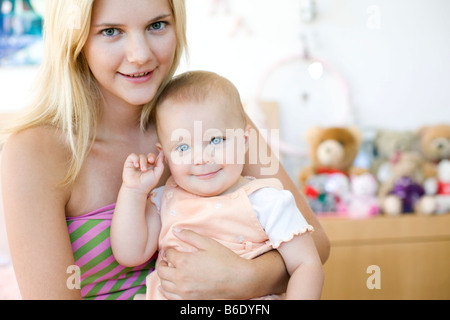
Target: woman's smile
[138, 78]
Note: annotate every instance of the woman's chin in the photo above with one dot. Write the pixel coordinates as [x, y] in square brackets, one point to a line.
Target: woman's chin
[139, 101]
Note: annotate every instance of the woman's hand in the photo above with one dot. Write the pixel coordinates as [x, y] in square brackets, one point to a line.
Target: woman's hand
[215, 272]
[198, 275]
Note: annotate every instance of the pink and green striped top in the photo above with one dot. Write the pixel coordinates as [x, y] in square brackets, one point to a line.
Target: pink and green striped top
[102, 277]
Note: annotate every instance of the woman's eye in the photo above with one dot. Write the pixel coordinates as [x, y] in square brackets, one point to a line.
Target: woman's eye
[183, 147]
[160, 25]
[216, 140]
[111, 32]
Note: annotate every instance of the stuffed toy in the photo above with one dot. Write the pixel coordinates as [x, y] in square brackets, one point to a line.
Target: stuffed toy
[332, 151]
[437, 190]
[361, 202]
[403, 189]
[388, 144]
[435, 146]
[326, 191]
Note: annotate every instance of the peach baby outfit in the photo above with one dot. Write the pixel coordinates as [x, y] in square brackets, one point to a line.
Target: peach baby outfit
[250, 221]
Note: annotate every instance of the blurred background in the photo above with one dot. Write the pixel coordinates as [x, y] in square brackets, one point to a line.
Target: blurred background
[376, 65]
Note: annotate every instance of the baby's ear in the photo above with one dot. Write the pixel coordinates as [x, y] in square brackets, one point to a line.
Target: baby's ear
[161, 151]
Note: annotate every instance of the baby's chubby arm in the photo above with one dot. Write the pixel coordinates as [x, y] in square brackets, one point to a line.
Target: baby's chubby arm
[136, 223]
[305, 267]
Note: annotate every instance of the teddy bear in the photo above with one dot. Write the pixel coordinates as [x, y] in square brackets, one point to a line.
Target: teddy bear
[435, 146]
[403, 189]
[388, 144]
[437, 190]
[332, 151]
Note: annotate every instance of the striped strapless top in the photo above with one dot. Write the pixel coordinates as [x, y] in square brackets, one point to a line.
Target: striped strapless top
[102, 277]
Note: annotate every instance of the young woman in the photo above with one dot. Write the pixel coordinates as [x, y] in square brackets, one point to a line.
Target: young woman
[105, 62]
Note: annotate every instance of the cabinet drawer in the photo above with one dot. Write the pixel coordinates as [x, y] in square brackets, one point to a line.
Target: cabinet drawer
[411, 252]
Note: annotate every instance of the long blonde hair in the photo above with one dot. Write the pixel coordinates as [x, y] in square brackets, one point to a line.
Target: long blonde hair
[66, 95]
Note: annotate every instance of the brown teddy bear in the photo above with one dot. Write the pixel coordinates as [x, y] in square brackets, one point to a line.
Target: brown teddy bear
[326, 181]
[331, 150]
[435, 146]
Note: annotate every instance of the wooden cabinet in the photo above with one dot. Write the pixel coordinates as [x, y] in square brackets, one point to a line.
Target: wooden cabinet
[410, 255]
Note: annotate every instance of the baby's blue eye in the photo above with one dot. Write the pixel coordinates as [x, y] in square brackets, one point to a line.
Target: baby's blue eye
[216, 140]
[183, 147]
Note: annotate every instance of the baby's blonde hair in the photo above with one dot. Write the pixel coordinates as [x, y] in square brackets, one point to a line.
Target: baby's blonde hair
[67, 95]
[198, 86]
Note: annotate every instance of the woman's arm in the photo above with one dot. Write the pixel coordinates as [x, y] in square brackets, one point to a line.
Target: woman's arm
[215, 272]
[267, 161]
[33, 162]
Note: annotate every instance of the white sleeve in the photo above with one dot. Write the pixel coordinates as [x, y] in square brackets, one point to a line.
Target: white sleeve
[278, 214]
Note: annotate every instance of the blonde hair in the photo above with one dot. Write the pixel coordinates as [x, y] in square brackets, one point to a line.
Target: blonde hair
[66, 95]
[198, 86]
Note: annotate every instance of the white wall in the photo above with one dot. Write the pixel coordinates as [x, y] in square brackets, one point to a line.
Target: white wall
[392, 57]
[396, 64]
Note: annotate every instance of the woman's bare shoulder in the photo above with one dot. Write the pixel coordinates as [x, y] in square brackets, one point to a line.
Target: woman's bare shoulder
[38, 148]
[37, 140]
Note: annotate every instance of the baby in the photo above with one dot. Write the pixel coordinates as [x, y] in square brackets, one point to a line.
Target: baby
[203, 138]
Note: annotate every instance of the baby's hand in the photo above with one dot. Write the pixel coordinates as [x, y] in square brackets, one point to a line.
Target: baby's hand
[142, 173]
